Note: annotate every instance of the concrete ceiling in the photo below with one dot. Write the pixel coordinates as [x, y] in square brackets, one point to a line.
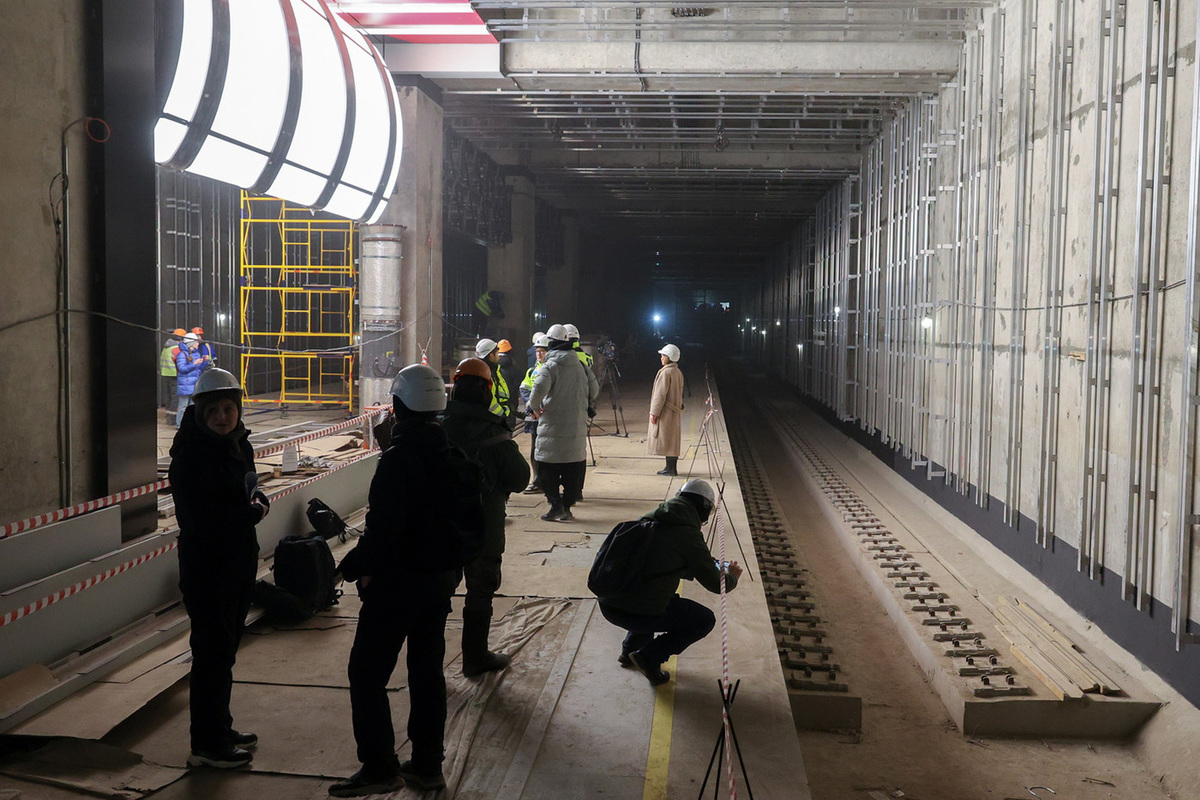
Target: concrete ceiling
[705, 132]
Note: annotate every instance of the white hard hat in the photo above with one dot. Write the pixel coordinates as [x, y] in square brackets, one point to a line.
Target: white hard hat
[484, 346]
[541, 340]
[190, 337]
[572, 331]
[558, 332]
[215, 380]
[670, 351]
[700, 488]
[420, 388]
[537, 336]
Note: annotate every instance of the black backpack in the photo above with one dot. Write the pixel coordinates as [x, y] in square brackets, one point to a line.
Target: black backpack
[304, 567]
[621, 560]
[469, 480]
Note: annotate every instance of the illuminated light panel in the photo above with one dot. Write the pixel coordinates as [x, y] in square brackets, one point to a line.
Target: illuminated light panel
[448, 22]
[262, 98]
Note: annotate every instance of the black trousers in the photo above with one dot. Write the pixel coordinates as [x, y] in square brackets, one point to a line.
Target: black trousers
[482, 577]
[562, 483]
[217, 598]
[393, 611]
[684, 623]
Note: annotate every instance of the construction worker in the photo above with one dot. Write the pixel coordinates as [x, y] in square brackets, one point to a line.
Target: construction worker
[573, 337]
[189, 365]
[489, 351]
[666, 411]
[167, 371]
[470, 426]
[512, 376]
[406, 571]
[205, 348]
[217, 505]
[488, 309]
[563, 392]
[531, 354]
[540, 344]
[677, 551]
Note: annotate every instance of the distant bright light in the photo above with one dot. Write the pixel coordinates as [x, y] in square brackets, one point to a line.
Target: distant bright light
[221, 317]
[927, 323]
[777, 323]
[837, 310]
[658, 318]
[764, 331]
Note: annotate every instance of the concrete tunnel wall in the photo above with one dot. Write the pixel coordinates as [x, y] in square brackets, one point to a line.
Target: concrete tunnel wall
[997, 304]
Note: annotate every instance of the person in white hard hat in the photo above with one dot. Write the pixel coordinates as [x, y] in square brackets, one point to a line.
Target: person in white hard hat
[666, 411]
[652, 606]
[573, 338]
[489, 352]
[217, 505]
[562, 393]
[407, 565]
[531, 354]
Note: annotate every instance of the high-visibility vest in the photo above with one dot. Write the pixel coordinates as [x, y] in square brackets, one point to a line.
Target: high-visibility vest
[584, 358]
[484, 303]
[531, 375]
[500, 406]
[166, 360]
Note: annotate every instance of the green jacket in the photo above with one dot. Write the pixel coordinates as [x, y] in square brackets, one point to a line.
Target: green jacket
[166, 360]
[678, 552]
[468, 426]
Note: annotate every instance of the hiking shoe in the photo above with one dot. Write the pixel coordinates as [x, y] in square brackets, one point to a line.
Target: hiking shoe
[361, 783]
[421, 781]
[243, 740]
[564, 516]
[653, 672]
[553, 514]
[228, 757]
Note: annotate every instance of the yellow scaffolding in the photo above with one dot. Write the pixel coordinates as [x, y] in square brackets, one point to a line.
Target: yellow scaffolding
[298, 278]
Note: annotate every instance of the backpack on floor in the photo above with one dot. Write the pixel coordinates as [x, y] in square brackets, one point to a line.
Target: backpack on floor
[280, 604]
[621, 561]
[304, 567]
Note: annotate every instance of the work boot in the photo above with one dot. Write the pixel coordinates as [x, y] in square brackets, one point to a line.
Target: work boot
[670, 468]
[477, 659]
[363, 783]
[565, 515]
[553, 514]
[653, 671]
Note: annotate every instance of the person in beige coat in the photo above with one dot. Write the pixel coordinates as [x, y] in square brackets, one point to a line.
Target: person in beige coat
[666, 410]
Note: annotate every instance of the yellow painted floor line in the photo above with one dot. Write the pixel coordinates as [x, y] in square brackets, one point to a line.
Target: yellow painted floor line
[658, 761]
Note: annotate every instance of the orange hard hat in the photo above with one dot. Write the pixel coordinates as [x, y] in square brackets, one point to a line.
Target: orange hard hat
[179, 332]
[504, 345]
[198, 330]
[473, 366]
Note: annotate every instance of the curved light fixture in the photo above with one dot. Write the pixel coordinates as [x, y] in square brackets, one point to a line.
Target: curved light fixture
[283, 98]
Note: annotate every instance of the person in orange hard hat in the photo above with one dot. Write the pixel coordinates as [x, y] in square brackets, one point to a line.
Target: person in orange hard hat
[512, 377]
[205, 348]
[469, 425]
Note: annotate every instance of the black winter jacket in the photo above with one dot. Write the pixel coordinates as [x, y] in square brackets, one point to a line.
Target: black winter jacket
[212, 505]
[406, 532]
[468, 426]
[678, 552]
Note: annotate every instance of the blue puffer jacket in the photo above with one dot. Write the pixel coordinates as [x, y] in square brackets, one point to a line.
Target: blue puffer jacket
[188, 368]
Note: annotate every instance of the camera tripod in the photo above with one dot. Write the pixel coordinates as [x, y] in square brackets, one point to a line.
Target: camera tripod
[610, 377]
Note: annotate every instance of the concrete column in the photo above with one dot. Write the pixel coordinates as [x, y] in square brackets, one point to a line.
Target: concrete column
[561, 298]
[510, 266]
[417, 206]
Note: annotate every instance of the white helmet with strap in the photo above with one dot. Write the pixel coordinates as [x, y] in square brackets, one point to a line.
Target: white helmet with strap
[700, 488]
[420, 388]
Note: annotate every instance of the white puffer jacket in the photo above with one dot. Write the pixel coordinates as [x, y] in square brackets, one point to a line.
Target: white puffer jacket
[562, 393]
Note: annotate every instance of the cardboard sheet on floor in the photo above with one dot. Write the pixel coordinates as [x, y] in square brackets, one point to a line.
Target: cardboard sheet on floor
[96, 709]
[178, 649]
[241, 785]
[91, 767]
[527, 577]
[19, 688]
[299, 657]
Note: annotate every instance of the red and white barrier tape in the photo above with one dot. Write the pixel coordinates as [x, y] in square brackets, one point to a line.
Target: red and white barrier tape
[129, 494]
[728, 729]
[63, 594]
[81, 508]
